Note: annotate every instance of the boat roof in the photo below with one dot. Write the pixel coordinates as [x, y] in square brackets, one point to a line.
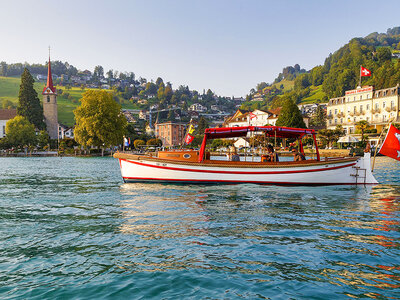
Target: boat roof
[278, 131]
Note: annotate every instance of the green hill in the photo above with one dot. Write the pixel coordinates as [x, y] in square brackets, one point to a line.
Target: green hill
[67, 101]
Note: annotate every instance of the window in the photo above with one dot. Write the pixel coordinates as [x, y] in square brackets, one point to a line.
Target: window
[345, 130]
[367, 107]
[354, 109]
[360, 97]
[330, 122]
[355, 119]
[335, 121]
[367, 96]
[341, 120]
[4, 130]
[351, 130]
[335, 111]
[383, 104]
[354, 99]
[376, 106]
[384, 118]
[48, 98]
[392, 104]
[361, 108]
[376, 116]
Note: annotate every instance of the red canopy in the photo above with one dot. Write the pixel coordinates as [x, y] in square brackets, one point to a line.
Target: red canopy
[281, 132]
[272, 131]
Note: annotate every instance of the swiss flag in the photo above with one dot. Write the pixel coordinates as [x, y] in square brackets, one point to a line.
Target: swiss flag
[189, 138]
[391, 144]
[365, 71]
[252, 115]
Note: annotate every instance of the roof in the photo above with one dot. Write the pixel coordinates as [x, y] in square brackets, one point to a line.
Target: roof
[8, 114]
[276, 111]
[280, 132]
[49, 88]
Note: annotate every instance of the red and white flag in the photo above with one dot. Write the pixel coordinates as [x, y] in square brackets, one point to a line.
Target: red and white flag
[189, 138]
[252, 116]
[391, 144]
[365, 71]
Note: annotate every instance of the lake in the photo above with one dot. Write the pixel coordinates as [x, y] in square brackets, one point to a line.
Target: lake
[70, 228]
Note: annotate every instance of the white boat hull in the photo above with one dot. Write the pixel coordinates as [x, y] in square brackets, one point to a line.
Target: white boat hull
[330, 173]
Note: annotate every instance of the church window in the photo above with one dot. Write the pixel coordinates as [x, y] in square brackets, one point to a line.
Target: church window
[48, 98]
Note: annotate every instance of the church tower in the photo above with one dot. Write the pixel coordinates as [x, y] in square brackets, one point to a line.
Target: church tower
[50, 105]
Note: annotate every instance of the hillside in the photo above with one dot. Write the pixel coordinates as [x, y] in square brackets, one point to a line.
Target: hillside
[340, 72]
[67, 101]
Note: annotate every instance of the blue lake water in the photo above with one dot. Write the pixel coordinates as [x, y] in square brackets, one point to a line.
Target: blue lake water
[70, 228]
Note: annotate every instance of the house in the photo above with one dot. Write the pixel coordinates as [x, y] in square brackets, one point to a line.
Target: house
[65, 132]
[5, 116]
[238, 119]
[241, 142]
[198, 108]
[170, 133]
[143, 115]
[129, 117]
[142, 101]
[150, 129]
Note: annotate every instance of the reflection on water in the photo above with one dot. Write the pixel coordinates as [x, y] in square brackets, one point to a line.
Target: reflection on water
[69, 228]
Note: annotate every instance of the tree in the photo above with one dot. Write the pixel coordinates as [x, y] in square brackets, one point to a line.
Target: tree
[202, 125]
[318, 119]
[28, 101]
[19, 132]
[328, 136]
[99, 121]
[98, 72]
[362, 126]
[290, 116]
[383, 54]
[43, 139]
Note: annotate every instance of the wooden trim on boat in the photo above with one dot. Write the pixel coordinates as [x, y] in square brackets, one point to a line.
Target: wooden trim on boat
[235, 164]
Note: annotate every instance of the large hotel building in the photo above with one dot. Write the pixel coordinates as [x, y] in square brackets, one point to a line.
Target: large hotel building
[364, 103]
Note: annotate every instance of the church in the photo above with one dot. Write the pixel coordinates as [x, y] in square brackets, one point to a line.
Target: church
[50, 105]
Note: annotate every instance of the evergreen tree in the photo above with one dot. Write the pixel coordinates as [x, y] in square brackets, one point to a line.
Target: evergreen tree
[202, 125]
[29, 105]
[319, 117]
[290, 116]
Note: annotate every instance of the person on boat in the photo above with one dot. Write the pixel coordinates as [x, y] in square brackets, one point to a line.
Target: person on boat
[273, 156]
[233, 155]
[297, 155]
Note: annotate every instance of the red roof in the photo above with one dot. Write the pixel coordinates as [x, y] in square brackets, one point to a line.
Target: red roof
[49, 84]
[8, 114]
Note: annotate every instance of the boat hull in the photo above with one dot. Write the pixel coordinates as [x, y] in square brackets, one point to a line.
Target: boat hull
[337, 172]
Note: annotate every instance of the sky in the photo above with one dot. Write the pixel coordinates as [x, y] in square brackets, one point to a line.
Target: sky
[225, 46]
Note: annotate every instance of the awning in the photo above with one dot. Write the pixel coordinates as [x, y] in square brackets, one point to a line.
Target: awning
[348, 139]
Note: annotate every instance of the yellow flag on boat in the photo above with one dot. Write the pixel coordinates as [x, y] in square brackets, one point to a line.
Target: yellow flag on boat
[191, 129]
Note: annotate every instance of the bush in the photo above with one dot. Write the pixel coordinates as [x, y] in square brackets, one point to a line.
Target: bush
[153, 142]
[138, 143]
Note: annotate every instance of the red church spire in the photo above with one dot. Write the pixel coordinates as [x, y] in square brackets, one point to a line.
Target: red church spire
[49, 88]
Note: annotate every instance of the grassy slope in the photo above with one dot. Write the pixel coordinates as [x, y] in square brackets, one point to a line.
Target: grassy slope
[316, 95]
[9, 88]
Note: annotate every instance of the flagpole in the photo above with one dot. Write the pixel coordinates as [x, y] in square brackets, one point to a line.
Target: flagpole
[359, 84]
[376, 148]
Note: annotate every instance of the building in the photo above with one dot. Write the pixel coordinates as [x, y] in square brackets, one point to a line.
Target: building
[197, 107]
[65, 132]
[170, 133]
[376, 107]
[50, 105]
[5, 116]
